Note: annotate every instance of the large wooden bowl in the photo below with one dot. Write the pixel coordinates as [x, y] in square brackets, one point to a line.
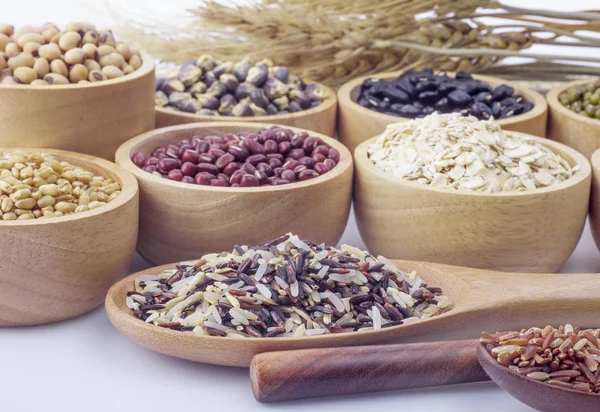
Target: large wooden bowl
[357, 124]
[95, 118]
[182, 221]
[532, 231]
[567, 127]
[320, 119]
[58, 268]
[595, 198]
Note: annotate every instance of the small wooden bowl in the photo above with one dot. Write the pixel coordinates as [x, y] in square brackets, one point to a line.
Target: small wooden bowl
[320, 119]
[595, 198]
[536, 394]
[182, 221]
[570, 128]
[357, 124]
[534, 231]
[58, 268]
[95, 118]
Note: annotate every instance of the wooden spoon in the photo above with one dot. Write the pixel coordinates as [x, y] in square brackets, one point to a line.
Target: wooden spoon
[288, 375]
[482, 300]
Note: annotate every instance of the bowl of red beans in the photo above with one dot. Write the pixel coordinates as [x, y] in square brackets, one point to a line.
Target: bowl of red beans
[205, 187]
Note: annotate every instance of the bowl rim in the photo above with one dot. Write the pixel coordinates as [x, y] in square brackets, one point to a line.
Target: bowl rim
[129, 187]
[595, 160]
[540, 106]
[554, 104]
[146, 68]
[123, 158]
[361, 158]
[329, 102]
[485, 357]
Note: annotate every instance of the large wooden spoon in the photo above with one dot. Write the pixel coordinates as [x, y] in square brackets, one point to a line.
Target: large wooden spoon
[288, 375]
[482, 300]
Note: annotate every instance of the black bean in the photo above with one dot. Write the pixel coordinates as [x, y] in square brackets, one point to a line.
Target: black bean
[446, 87]
[425, 86]
[501, 92]
[395, 95]
[459, 98]
[484, 97]
[481, 110]
[509, 101]
[442, 105]
[409, 111]
[429, 97]
[467, 86]
[463, 75]
[496, 110]
[406, 86]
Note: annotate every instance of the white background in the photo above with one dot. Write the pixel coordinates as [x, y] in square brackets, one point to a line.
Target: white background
[86, 365]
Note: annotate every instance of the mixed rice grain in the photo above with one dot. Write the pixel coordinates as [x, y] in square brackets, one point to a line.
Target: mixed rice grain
[284, 287]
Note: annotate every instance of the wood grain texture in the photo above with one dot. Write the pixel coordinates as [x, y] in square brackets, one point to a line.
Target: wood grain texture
[357, 124]
[58, 268]
[94, 119]
[533, 231]
[482, 301]
[311, 373]
[321, 119]
[538, 395]
[567, 127]
[181, 221]
[595, 198]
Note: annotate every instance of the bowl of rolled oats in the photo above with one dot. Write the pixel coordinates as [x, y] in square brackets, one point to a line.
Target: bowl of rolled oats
[453, 189]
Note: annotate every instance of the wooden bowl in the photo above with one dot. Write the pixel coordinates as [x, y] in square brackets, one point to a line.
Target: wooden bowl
[95, 118]
[58, 268]
[533, 231]
[567, 127]
[595, 198]
[320, 119]
[182, 221]
[536, 394]
[357, 124]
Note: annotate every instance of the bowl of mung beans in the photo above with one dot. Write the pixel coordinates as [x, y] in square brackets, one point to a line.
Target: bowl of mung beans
[204, 186]
[368, 104]
[209, 90]
[68, 228]
[574, 115]
[73, 88]
[456, 190]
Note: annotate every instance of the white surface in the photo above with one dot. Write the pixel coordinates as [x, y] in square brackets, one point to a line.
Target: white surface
[86, 365]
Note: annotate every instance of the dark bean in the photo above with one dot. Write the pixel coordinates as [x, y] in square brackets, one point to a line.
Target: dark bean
[256, 159]
[481, 110]
[501, 92]
[231, 168]
[277, 156]
[496, 110]
[288, 175]
[188, 169]
[218, 182]
[204, 178]
[320, 168]
[239, 152]
[409, 110]
[249, 180]
[248, 168]
[223, 177]
[509, 101]
[446, 87]
[207, 167]
[254, 147]
[307, 174]
[139, 159]
[459, 98]
[300, 168]
[318, 158]
[307, 161]
[187, 179]
[165, 165]
[429, 97]
[224, 160]
[396, 95]
[270, 146]
[329, 163]
[265, 168]
[290, 164]
[202, 147]
[296, 154]
[236, 177]
[150, 169]
[152, 161]
[175, 174]
[321, 149]
[334, 155]
[189, 156]
[274, 163]
[284, 147]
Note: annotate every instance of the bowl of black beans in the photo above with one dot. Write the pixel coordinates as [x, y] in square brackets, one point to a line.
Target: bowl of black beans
[368, 104]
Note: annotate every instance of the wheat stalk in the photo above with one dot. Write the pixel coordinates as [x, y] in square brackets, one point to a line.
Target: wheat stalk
[335, 40]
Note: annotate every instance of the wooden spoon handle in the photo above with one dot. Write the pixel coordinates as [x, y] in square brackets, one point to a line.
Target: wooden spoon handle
[309, 373]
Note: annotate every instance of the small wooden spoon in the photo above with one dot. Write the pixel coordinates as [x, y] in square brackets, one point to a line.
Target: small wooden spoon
[288, 375]
[481, 300]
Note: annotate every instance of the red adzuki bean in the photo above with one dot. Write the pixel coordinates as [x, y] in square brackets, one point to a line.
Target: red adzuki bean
[273, 156]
